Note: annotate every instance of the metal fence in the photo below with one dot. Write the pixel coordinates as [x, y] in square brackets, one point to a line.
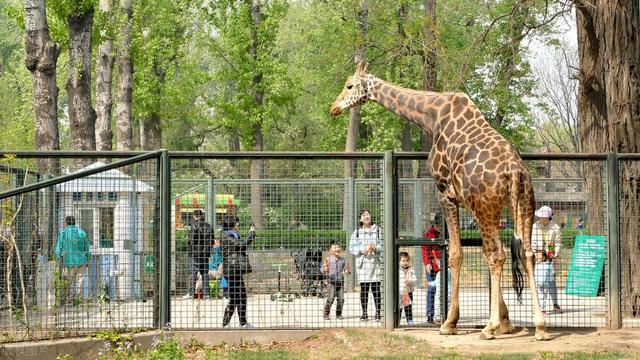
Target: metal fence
[140, 270]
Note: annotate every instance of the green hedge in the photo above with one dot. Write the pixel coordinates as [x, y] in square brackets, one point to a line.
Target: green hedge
[290, 239]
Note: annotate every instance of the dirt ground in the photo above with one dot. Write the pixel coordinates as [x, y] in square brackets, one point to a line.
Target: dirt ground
[350, 343]
[523, 341]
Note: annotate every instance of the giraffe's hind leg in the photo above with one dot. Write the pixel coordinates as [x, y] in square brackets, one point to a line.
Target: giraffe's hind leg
[495, 257]
[505, 324]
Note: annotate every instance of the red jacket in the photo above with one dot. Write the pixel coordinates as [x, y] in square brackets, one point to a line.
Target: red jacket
[431, 253]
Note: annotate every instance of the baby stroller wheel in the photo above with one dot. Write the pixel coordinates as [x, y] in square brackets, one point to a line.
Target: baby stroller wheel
[297, 295]
[273, 297]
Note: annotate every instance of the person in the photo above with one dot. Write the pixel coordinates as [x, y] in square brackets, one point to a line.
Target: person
[546, 237]
[334, 267]
[431, 259]
[406, 281]
[579, 224]
[200, 241]
[366, 246]
[543, 274]
[235, 263]
[216, 275]
[72, 249]
[438, 317]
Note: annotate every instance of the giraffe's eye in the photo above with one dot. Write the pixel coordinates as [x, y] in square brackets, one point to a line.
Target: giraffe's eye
[349, 86]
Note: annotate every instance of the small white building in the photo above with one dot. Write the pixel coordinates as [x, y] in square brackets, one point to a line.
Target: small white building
[115, 210]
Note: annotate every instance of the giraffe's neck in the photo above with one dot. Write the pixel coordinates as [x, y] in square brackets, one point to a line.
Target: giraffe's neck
[414, 105]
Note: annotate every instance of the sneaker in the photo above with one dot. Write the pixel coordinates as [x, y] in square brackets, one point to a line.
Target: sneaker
[430, 319]
[364, 317]
[544, 312]
[410, 323]
[246, 326]
[326, 317]
[556, 309]
[188, 296]
[437, 322]
[339, 317]
[378, 319]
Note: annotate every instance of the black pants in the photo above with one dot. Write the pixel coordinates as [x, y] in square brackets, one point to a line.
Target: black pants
[408, 310]
[364, 296]
[237, 299]
[198, 265]
[336, 290]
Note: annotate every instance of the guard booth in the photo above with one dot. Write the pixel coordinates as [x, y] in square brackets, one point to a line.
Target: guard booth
[116, 212]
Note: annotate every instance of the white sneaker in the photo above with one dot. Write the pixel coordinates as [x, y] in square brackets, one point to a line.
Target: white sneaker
[247, 326]
[188, 296]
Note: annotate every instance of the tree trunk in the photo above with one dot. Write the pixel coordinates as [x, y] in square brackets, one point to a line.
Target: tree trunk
[124, 102]
[150, 133]
[257, 166]
[82, 117]
[609, 109]
[104, 74]
[353, 129]
[42, 56]
[429, 72]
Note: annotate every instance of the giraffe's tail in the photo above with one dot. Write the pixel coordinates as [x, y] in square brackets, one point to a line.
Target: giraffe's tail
[516, 273]
[521, 204]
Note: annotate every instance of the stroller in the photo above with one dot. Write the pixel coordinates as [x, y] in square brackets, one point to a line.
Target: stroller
[309, 271]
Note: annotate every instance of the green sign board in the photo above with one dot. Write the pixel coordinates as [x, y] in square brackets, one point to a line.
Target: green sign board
[149, 264]
[586, 265]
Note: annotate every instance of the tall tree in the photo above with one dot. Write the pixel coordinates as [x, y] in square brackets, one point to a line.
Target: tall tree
[429, 70]
[124, 99]
[104, 76]
[257, 94]
[82, 116]
[42, 57]
[609, 109]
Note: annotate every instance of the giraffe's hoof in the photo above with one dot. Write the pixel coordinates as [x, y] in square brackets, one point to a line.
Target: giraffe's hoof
[541, 333]
[486, 335]
[507, 328]
[447, 330]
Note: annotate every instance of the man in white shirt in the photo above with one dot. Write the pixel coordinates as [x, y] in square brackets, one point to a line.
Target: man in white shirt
[546, 237]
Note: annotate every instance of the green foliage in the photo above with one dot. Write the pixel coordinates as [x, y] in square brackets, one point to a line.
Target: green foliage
[297, 239]
[167, 349]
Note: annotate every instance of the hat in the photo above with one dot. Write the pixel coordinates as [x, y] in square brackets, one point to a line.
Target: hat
[544, 212]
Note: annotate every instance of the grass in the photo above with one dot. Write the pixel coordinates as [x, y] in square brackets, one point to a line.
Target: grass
[338, 344]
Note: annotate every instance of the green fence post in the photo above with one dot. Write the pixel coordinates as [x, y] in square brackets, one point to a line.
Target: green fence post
[390, 266]
[165, 238]
[613, 243]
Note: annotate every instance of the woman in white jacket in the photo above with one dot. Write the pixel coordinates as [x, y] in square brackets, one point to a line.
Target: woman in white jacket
[366, 246]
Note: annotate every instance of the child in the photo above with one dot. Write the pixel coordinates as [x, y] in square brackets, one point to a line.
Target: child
[215, 272]
[407, 280]
[334, 267]
[543, 273]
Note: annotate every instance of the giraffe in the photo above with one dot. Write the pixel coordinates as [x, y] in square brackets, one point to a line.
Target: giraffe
[473, 166]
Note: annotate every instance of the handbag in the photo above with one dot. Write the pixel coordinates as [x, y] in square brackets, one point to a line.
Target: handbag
[406, 300]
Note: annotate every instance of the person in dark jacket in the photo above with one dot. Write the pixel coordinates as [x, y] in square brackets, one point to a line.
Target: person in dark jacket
[201, 237]
[235, 264]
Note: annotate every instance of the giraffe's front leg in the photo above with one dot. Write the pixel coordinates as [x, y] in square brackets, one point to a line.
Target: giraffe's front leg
[449, 326]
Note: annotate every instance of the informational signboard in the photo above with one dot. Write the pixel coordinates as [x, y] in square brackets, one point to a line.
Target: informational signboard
[586, 265]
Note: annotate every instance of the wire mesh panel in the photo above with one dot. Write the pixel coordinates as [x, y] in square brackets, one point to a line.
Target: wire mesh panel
[79, 255]
[575, 297]
[629, 200]
[298, 208]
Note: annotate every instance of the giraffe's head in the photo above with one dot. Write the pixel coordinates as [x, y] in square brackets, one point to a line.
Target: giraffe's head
[355, 92]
